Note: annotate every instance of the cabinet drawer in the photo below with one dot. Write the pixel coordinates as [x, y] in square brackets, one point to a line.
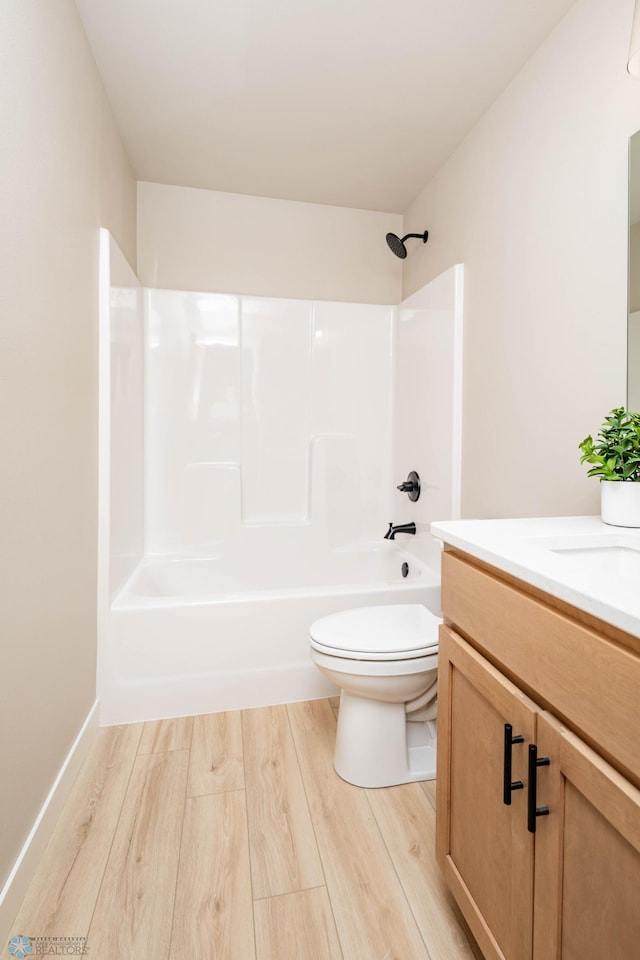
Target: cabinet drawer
[592, 683]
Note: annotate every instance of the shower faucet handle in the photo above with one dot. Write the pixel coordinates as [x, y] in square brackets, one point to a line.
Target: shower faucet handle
[411, 486]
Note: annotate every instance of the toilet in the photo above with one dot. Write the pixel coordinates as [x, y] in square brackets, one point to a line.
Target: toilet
[385, 661]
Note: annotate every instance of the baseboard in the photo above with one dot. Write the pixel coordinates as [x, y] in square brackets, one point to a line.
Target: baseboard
[15, 888]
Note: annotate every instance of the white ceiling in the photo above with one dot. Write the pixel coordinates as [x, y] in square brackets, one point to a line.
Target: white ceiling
[348, 102]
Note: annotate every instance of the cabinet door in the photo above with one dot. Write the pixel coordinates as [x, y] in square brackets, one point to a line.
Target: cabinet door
[587, 886]
[483, 846]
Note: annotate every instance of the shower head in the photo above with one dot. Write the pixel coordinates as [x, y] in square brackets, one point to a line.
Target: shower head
[396, 245]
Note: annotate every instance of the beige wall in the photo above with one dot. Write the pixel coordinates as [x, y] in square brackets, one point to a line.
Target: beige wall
[204, 240]
[634, 268]
[62, 174]
[534, 203]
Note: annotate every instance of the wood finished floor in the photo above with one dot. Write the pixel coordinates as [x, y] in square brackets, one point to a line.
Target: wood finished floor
[231, 837]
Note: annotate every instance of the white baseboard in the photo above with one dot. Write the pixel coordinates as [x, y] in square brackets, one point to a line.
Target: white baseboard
[15, 888]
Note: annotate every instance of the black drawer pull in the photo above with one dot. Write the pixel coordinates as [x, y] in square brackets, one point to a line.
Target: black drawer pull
[532, 810]
[509, 784]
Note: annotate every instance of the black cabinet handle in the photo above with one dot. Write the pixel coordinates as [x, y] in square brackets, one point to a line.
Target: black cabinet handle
[509, 784]
[532, 810]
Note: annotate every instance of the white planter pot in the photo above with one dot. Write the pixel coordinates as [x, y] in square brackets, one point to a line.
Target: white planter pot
[620, 503]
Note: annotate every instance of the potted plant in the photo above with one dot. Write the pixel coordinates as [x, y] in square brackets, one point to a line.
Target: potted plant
[615, 458]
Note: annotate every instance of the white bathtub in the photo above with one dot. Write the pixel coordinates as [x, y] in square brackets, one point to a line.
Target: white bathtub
[195, 635]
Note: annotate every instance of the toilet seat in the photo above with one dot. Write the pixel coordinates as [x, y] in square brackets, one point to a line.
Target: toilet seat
[357, 666]
[386, 633]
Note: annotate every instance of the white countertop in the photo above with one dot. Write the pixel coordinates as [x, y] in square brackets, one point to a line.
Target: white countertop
[604, 584]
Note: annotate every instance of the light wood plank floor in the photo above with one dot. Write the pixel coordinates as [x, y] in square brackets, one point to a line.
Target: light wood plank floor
[231, 837]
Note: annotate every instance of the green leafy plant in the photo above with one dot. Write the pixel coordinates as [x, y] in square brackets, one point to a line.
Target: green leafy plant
[615, 454]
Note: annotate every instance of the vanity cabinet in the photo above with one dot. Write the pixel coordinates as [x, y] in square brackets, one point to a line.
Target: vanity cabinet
[533, 693]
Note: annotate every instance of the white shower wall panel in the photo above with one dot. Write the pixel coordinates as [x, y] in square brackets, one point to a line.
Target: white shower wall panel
[427, 432]
[192, 418]
[265, 411]
[351, 413]
[276, 360]
[123, 319]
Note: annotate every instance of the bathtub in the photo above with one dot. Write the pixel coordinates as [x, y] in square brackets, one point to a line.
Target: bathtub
[193, 635]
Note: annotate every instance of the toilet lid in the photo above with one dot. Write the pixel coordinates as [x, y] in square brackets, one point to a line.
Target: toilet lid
[394, 632]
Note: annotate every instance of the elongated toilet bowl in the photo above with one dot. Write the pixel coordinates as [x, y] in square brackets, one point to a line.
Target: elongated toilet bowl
[384, 659]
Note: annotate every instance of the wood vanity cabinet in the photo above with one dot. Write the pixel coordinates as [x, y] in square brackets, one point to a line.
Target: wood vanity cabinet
[529, 683]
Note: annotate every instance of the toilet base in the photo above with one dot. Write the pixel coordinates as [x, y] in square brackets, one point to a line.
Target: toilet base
[377, 745]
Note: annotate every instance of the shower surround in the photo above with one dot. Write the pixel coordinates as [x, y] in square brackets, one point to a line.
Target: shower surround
[272, 448]
[265, 412]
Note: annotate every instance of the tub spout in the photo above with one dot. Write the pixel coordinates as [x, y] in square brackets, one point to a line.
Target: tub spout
[399, 528]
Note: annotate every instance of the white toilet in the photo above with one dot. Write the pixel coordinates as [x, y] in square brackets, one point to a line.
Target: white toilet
[385, 660]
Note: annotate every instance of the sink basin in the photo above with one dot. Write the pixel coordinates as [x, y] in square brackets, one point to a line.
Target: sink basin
[614, 561]
[609, 555]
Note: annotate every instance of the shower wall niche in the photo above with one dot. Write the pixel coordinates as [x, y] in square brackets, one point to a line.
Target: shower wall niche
[263, 411]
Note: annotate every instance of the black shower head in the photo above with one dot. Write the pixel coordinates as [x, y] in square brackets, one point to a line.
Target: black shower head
[396, 245]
